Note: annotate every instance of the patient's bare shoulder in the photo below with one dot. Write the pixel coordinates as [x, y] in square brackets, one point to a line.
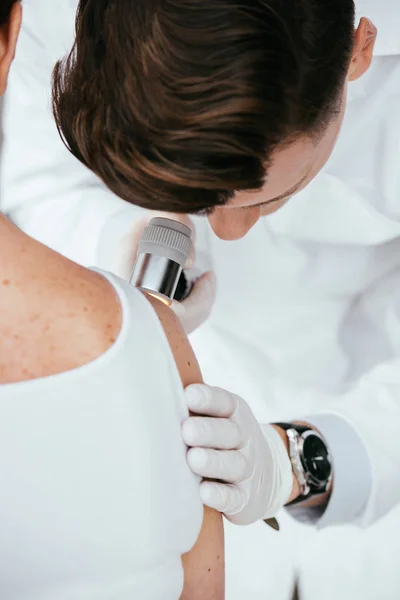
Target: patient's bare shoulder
[54, 315]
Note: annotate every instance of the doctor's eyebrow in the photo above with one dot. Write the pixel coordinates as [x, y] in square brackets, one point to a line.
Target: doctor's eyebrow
[283, 196]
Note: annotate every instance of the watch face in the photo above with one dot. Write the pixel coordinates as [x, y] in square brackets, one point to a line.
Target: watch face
[316, 459]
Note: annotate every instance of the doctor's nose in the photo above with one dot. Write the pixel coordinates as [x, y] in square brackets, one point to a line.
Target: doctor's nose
[233, 223]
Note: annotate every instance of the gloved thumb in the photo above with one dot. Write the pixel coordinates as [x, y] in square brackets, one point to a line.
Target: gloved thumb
[227, 499]
[197, 307]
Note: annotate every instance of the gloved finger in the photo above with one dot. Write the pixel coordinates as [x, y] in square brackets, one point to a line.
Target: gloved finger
[203, 293]
[197, 307]
[227, 465]
[227, 499]
[211, 401]
[209, 432]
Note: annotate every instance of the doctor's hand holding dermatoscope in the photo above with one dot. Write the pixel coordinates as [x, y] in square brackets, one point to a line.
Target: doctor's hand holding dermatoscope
[192, 309]
[250, 471]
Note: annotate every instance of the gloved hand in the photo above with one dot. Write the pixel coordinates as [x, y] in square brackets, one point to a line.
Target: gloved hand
[248, 462]
[193, 311]
[196, 309]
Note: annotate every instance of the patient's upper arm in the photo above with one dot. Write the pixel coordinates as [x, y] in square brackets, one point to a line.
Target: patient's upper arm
[204, 565]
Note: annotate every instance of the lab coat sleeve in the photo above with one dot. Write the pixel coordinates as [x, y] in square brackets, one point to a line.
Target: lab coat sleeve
[352, 474]
[44, 189]
[362, 431]
[347, 562]
[362, 426]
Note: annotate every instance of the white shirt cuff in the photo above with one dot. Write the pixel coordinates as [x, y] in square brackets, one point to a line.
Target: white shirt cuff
[352, 471]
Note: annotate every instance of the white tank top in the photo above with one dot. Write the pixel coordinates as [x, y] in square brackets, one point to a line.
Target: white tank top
[96, 499]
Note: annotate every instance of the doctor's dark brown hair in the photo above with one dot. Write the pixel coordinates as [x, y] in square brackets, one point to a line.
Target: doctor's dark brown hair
[177, 104]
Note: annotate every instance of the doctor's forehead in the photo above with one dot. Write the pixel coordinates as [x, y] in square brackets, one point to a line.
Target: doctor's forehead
[285, 174]
[293, 165]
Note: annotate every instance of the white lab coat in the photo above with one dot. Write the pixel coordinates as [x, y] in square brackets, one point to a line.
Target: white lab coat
[306, 322]
[349, 563]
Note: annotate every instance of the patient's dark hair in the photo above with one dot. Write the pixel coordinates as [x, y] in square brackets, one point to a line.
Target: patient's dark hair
[177, 104]
[5, 9]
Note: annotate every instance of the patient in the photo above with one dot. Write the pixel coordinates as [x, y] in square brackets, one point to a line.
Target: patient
[97, 500]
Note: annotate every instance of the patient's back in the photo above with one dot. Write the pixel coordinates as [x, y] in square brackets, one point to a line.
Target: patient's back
[97, 500]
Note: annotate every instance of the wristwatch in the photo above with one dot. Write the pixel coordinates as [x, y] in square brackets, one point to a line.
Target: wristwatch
[311, 460]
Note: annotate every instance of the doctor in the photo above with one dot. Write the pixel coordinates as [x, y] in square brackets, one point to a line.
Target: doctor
[316, 316]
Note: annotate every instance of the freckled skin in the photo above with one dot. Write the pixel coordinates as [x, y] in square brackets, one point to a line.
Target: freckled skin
[45, 330]
[54, 315]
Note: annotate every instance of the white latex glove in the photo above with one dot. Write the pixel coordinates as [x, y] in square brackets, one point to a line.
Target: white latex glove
[248, 461]
[197, 307]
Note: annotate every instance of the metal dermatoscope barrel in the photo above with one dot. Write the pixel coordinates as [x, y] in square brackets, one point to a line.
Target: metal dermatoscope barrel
[163, 251]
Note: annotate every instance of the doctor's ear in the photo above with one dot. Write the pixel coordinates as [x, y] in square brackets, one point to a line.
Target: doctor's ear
[9, 31]
[364, 42]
